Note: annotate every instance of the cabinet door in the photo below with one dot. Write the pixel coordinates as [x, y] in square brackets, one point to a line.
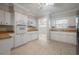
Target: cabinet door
[25, 19]
[12, 42]
[18, 40]
[34, 35]
[71, 38]
[7, 18]
[18, 18]
[25, 38]
[22, 39]
[29, 36]
[5, 46]
[2, 17]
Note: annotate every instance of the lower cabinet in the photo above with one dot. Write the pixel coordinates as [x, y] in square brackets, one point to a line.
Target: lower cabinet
[35, 35]
[12, 42]
[66, 37]
[31, 36]
[24, 38]
[5, 46]
[18, 40]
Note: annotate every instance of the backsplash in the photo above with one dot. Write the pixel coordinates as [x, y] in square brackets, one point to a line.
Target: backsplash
[67, 27]
[7, 28]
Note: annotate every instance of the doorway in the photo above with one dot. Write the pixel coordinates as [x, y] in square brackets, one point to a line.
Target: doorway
[43, 30]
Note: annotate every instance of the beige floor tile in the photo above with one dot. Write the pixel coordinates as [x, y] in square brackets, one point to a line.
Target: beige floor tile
[48, 48]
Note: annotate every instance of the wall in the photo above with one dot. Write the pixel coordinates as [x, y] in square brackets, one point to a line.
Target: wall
[67, 37]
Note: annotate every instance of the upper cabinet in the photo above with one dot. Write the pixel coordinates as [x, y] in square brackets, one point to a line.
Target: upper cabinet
[20, 19]
[7, 18]
[32, 22]
[2, 17]
[5, 15]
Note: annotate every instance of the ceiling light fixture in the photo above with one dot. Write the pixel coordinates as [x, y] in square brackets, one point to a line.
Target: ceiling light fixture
[43, 5]
[48, 4]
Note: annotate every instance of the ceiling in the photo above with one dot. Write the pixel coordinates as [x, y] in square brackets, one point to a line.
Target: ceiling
[41, 9]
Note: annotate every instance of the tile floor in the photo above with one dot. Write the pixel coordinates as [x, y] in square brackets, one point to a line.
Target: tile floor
[50, 47]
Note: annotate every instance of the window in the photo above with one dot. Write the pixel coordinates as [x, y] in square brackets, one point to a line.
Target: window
[61, 23]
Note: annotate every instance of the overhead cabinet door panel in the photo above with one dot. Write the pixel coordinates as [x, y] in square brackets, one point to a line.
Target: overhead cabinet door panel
[8, 18]
[2, 17]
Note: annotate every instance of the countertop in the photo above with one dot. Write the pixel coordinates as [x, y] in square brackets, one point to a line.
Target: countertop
[63, 30]
[5, 35]
[4, 32]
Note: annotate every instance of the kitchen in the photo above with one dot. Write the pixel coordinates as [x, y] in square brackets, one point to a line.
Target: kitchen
[19, 25]
[14, 33]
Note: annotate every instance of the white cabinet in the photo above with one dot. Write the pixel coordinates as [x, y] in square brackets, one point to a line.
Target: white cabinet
[2, 17]
[18, 40]
[5, 46]
[66, 37]
[12, 42]
[34, 35]
[20, 19]
[32, 22]
[24, 38]
[29, 36]
[5, 17]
